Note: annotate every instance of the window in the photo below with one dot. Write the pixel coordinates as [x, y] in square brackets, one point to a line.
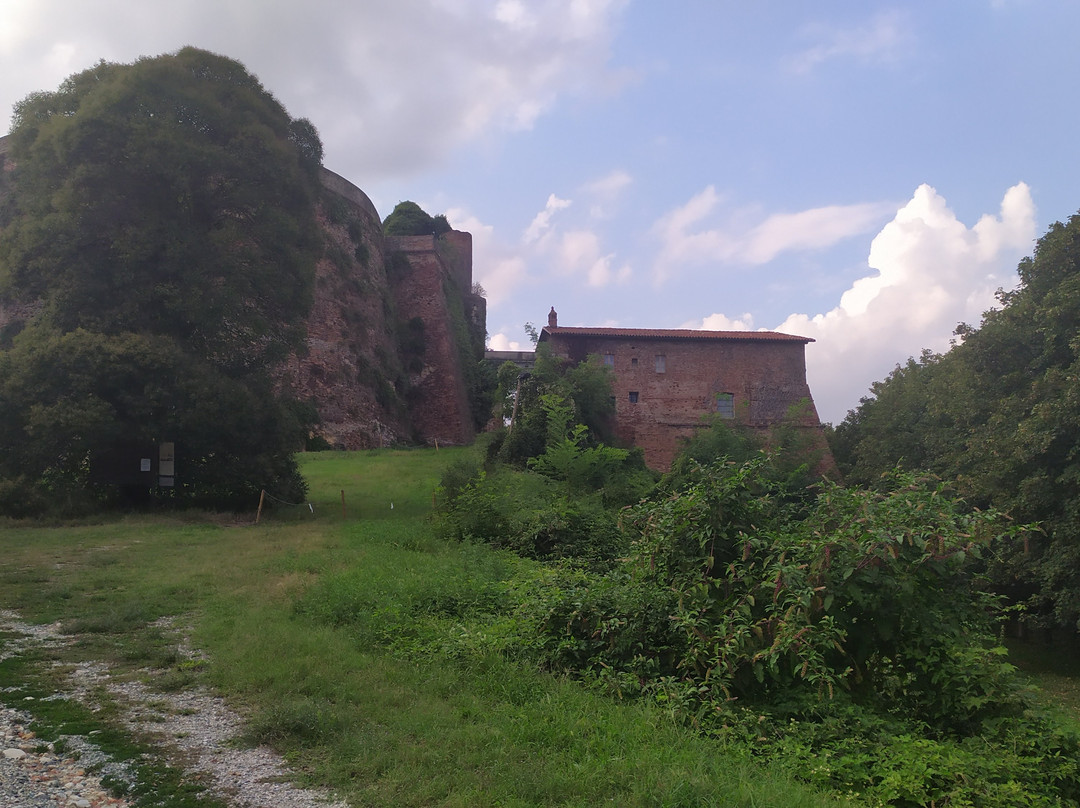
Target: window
[609, 360]
[661, 363]
[633, 396]
[633, 362]
[725, 405]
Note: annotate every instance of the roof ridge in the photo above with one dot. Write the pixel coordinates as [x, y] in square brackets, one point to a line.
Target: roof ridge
[673, 333]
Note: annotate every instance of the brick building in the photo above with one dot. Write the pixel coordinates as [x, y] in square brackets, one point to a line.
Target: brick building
[667, 381]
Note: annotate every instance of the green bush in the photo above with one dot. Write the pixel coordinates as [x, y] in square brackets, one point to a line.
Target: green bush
[854, 638]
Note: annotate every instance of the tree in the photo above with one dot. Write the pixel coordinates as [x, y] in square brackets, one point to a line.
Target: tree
[999, 414]
[160, 221]
[66, 401]
[409, 219]
[172, 196]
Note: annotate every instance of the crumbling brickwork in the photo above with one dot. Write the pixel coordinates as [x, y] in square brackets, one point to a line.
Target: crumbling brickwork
[427, 274]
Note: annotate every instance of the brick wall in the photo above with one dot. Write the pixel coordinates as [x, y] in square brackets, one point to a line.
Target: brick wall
[438, 404]
[660, 401]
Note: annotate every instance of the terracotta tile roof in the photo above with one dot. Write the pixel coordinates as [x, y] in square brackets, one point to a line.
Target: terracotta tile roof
[672, 333]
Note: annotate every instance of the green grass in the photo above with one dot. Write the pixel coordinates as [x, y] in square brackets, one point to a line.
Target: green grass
[1054, 669]
[346, 641]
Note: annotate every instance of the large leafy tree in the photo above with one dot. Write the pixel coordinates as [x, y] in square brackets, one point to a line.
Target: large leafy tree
[173, 196]
[999, 414]
[164, 208]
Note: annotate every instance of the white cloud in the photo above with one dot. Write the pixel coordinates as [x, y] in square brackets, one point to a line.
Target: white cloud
[882, 39]
[501, 342]
[496, 267]
[688, 238]
[392, 87]
[541, 223]
[932, 272]
[610, 185]
[571, 253]
[721, 322]
[579, 254]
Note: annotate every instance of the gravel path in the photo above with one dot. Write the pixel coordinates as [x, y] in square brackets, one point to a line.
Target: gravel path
[193, 726]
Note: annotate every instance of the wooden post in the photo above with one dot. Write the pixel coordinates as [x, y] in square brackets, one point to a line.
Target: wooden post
[436, 444]
[342, 503]
[258, 514]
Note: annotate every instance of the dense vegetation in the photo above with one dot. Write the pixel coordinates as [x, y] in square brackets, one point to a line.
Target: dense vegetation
[409, 219]
[999, 415]
[849, 629]
[159, 226]
[360, 646]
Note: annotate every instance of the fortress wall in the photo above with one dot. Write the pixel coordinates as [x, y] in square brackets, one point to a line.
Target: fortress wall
[438, 401]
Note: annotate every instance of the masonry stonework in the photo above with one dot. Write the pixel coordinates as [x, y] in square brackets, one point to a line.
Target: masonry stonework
[667, 383]
[424, 283]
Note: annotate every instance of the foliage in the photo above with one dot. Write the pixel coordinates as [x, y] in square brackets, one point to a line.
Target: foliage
[470, 339]
[161, 218]
[586, 387]
[165, 197]
[563, 506]
[66, 400]
[807, 636]
[998, 413]
[409, 219]
[403, 700]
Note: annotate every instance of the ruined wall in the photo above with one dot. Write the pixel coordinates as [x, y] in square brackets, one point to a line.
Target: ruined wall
[350, 367]
[660, 401]
[382, 362]
[427, 275]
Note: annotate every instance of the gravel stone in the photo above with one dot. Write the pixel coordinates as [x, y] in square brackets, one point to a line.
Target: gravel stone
[194, 729]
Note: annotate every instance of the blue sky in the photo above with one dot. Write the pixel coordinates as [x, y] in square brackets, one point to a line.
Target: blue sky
[865, 174]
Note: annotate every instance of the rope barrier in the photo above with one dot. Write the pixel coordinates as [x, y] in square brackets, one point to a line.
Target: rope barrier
[262, 498]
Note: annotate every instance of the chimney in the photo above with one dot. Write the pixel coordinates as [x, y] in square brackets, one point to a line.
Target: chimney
[553, 318]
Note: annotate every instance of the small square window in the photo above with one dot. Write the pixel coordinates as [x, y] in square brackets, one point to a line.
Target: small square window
[633, 396]
[609, 360]
[661, 363]
[725, 405]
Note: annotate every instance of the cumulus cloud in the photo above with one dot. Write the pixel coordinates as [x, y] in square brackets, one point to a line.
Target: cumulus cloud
[392, 87]
[575, 252]
[688, 236]
[501, 342]
[932, 272]
[578, 253]
[882, 39]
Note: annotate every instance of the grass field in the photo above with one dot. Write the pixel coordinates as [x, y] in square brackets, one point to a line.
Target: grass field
[344, 638]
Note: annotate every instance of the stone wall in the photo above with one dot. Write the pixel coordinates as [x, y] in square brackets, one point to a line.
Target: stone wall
[360, 367]
[425, 286]
[352, 367]
[349, 367]
[664, 385]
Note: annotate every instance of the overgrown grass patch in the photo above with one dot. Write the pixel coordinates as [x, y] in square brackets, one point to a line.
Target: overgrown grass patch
[364, 649]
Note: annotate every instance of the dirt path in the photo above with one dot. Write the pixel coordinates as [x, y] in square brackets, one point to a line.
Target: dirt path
[193, 728]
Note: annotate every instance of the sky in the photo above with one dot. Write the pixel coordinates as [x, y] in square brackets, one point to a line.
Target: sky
[862, 173]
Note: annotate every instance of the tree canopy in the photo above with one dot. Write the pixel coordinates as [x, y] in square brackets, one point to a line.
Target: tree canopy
[999, 414]
[409, 219]
[164, 208]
